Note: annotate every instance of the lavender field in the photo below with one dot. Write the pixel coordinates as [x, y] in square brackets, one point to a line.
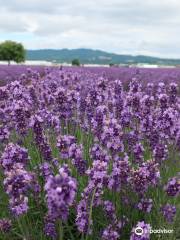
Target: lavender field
[14, 72]
[89, 153]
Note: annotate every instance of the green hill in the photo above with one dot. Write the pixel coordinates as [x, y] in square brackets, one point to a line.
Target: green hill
[89, 56]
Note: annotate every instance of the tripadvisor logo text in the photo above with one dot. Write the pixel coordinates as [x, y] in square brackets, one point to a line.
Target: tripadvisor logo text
[140, 231]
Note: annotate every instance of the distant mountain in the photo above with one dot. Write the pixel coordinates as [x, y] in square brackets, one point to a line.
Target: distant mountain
[89, 56]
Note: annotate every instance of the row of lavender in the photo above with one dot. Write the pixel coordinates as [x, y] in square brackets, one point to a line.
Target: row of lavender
[84, 156]
[10, 73]
[13, 72]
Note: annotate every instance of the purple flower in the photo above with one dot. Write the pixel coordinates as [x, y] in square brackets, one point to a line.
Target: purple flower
[21, 115]
[163, 99]
[139, 180]
[60, 194]
[120, 174]
[110, 210]
[50, 227]
[145, 205]
[19, 206]
[4, 133]
[173, 187]
[98, 153]
[18, 182]
[111, 136]
[82, 217]
[13, 154]
[160, 153]
[169, 212]
[173, 88]
[5, 225]
[93, 192]
[76, 154]
[146, 175]
[98, 173]
[63, 144]
[98, 120]
[40, 138]
[138, 151]
[110, 233]
[46, 170]
[153, 172]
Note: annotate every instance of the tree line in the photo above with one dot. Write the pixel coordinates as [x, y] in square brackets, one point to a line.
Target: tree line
[13, 51]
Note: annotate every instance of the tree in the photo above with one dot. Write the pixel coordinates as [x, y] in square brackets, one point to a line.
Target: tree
[75, 62]
[111, 64]
[12, 51]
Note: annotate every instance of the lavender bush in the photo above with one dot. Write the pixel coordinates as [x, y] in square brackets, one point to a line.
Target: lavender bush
[90, 154]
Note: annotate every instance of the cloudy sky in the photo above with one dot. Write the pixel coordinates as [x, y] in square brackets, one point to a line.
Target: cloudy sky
[150, 27]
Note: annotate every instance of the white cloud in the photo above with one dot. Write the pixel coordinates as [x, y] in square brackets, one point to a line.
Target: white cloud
[122, 26]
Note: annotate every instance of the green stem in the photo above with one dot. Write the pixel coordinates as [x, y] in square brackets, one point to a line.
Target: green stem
[60, 231]
[22, 229]
[69, 230]
[90, 212]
